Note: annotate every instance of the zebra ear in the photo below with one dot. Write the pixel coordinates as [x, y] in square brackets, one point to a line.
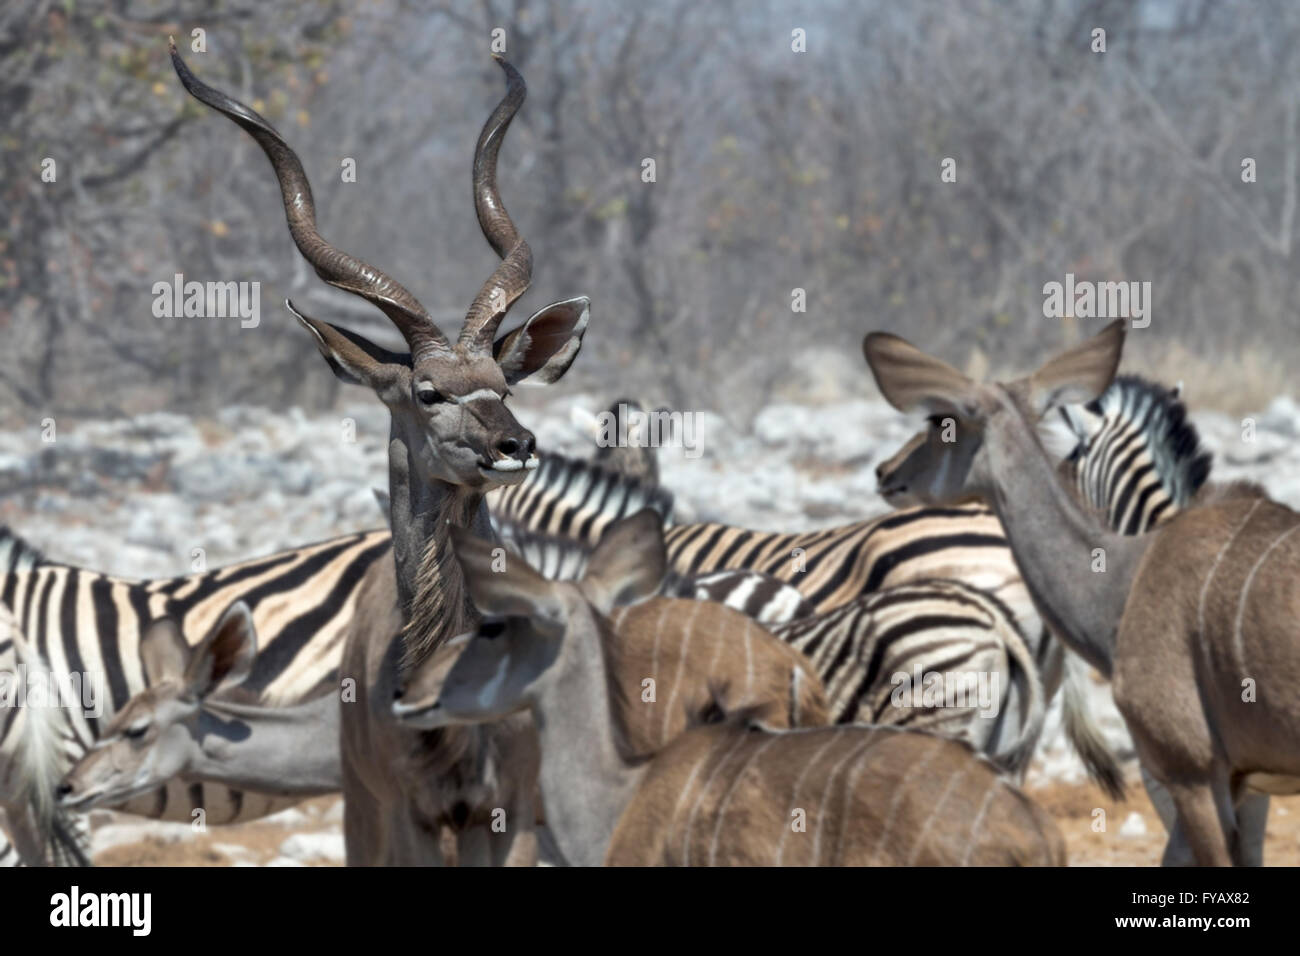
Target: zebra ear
[164, 655]
[225, 658]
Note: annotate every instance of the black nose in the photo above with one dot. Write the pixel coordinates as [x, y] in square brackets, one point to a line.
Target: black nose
[520, 447]
[63, 789]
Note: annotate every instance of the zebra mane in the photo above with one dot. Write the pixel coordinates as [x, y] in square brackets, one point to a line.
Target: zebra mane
[1173, 442]
[16, 554]
[573, 499]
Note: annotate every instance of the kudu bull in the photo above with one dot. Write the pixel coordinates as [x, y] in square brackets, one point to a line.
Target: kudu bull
[452, 438]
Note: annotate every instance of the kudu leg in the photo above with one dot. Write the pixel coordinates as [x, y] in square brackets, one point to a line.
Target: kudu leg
[1207, 820]
[1252, 822]
[1178, 852]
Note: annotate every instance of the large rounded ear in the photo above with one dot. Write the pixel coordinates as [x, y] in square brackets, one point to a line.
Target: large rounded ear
[353, 358]
[225, 657]
[911, 379]
[164, 655]
[1079, 374]
[501, 583]
[541, 350]
[629, 563]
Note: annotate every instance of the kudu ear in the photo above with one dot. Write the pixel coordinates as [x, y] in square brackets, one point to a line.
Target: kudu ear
[910, 379]
[353, 358]
[164, 655]
[541, 350]
[629, 563]
[1078, 374]
[501, 583]
[225, 657]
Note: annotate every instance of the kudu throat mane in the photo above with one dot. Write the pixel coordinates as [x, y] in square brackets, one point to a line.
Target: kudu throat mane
[439, 607]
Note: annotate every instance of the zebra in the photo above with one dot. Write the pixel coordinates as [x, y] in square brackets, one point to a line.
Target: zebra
[1137, 457]
[882, 656]
[77, 621]
[757, 595]
[639, 456]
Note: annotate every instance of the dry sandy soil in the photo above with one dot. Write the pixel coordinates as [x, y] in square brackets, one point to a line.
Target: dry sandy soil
[257, 843]
[1071, 804]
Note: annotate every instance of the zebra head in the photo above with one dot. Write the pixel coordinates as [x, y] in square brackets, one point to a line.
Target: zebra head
[1137, 456]
[157, 735]
[447, 399]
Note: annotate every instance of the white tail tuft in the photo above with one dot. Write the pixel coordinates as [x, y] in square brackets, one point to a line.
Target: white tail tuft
[37, 752]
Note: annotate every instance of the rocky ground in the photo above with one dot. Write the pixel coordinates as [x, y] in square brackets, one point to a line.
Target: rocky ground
[158, 494]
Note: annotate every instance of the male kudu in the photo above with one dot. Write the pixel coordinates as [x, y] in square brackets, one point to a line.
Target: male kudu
[1192, 621]
[452, 438]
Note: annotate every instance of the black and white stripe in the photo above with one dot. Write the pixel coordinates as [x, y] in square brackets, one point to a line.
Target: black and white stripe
[86, 623]
[869, 650]
[1137, 458]
[570, 499]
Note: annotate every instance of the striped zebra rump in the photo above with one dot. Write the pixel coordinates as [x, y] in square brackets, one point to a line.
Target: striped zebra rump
[836, 565]
[934, 655]
[756, 595]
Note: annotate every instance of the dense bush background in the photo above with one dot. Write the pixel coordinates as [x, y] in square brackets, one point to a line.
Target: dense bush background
[776, 170]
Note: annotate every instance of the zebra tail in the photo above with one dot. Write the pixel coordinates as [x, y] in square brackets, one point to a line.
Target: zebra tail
[69, 840]
[1025, 673]
[37, 754]
[1084, 734]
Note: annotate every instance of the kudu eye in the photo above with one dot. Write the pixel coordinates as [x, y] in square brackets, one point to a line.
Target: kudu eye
[430, 396]
[135, 731]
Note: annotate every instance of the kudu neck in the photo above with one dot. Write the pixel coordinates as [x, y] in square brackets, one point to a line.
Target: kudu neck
[430, 584]
[259, 747]
[1077, 570]
[586, 779]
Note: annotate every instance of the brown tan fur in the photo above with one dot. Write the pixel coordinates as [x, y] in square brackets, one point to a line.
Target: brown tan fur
[1228, 580]
[729, 795]
[700, 650]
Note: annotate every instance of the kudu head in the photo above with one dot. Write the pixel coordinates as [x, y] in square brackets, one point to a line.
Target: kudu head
[529, 623]
[447, 399]
[156, 736]
[948, 459]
